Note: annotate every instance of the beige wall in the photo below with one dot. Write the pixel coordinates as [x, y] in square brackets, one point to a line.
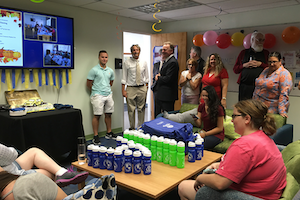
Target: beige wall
[93, 31]
[265, 17]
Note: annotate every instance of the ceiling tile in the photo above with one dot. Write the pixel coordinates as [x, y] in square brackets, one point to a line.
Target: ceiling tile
[186, 11]
[232, 4]
[127, 12]
[199, 15]
[129, 3]
[263, 6]
[103, 7]
[149, 17]
[73, 2]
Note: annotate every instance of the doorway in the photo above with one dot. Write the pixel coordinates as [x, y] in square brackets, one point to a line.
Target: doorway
[144, 41]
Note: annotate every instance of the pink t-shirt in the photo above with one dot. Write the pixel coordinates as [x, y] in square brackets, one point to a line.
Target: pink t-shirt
[255, 165]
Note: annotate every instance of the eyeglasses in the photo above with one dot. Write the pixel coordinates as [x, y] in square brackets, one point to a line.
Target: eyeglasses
[273, 62]
[233, 116]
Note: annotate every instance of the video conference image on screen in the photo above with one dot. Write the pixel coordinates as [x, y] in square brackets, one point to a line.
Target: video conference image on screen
[39, 27]
[57, 55]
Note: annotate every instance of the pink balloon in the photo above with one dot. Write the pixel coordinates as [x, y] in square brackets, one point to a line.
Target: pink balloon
[247, 41]
[210, 37]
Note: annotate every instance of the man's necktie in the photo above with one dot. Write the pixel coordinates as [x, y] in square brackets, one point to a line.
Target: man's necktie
[138, 74]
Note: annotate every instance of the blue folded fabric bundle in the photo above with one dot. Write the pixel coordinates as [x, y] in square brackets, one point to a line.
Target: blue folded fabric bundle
[62, 106]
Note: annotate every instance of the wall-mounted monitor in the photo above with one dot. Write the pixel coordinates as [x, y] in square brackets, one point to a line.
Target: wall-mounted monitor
[35, 40]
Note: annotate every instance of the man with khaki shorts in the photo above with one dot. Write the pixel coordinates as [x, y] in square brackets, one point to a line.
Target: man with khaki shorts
[99, 81]
[136, 77]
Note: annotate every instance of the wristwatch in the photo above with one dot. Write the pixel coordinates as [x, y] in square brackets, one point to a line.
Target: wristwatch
[224, 98]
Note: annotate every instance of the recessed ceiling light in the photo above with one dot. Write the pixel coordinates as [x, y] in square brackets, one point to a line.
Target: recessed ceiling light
[166, 6]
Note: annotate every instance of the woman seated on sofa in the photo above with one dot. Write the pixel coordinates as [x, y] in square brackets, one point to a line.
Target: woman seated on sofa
[211, 114]
[252, 167]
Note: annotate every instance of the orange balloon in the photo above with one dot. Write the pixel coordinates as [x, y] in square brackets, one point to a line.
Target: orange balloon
[290, 34]
[198, 40]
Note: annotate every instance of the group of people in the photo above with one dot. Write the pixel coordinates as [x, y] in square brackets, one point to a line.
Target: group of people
[134, 81]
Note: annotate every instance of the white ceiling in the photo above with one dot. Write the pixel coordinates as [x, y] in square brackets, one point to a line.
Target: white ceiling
[208, 7]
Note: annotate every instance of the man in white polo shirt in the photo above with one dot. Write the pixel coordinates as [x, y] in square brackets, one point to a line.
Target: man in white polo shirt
[99, 82]
[136, 77]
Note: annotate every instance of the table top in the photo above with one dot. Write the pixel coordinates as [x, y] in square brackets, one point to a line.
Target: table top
[163, 177]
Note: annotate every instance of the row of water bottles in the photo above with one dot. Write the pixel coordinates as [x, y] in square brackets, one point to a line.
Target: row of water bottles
[134, 160]
[166, 150]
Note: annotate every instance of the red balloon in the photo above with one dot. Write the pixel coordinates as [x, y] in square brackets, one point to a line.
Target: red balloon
[198, 40]
[290, 34]
[270, 41]
[223, 41]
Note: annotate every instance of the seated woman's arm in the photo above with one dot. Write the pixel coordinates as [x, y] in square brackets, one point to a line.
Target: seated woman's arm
[215, 130]
[214, 181]
[198, 121]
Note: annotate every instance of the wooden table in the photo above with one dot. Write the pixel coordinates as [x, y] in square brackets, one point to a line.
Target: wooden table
[162, 180]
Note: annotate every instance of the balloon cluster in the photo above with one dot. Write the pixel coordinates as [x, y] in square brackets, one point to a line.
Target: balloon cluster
[289, 35]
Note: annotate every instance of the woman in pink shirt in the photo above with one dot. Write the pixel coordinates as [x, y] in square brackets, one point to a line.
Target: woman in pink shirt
[252, 167]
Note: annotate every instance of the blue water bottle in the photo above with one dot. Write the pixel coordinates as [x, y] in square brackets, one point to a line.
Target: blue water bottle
[110, 159]
[118, 160]
[119, 140]
[147, 162]
[124, 141]
[198, 149]
[96, 150]
[202, 147]
[128, 161]
[90, 154]
[137, 166]
[102, 157]
[131, 146]
[191, 152]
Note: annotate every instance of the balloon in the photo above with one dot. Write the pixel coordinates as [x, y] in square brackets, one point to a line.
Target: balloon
[198, 40]
[247, 41]
[290, 34]
[223, 41]
[270, 41]
[209, 38]
[237, 39]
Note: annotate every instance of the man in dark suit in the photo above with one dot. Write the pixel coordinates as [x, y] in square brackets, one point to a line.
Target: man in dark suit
[166, 88]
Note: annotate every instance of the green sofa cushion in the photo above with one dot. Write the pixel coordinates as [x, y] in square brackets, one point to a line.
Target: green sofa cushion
[293, 167]
[291, 188]
[223, 146]
[229, 129]
[290, 151]
[187, 106]
[279, 120]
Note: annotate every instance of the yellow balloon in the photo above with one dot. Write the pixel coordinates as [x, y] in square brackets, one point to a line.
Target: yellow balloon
[237, 39]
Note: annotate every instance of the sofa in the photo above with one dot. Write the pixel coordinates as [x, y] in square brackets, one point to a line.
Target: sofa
[283, 135]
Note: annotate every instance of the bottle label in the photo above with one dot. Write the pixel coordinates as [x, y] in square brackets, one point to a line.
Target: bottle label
[147, 169]
[128, 167]
[109, 164]
[191, 156]
[137, 168]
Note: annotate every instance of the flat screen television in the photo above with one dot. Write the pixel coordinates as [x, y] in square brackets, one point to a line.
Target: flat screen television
[35, 40]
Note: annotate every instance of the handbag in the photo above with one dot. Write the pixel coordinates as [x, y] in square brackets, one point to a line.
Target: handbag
[103, 188]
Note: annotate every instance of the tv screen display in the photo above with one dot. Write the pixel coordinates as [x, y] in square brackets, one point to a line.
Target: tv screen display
[35, 40]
